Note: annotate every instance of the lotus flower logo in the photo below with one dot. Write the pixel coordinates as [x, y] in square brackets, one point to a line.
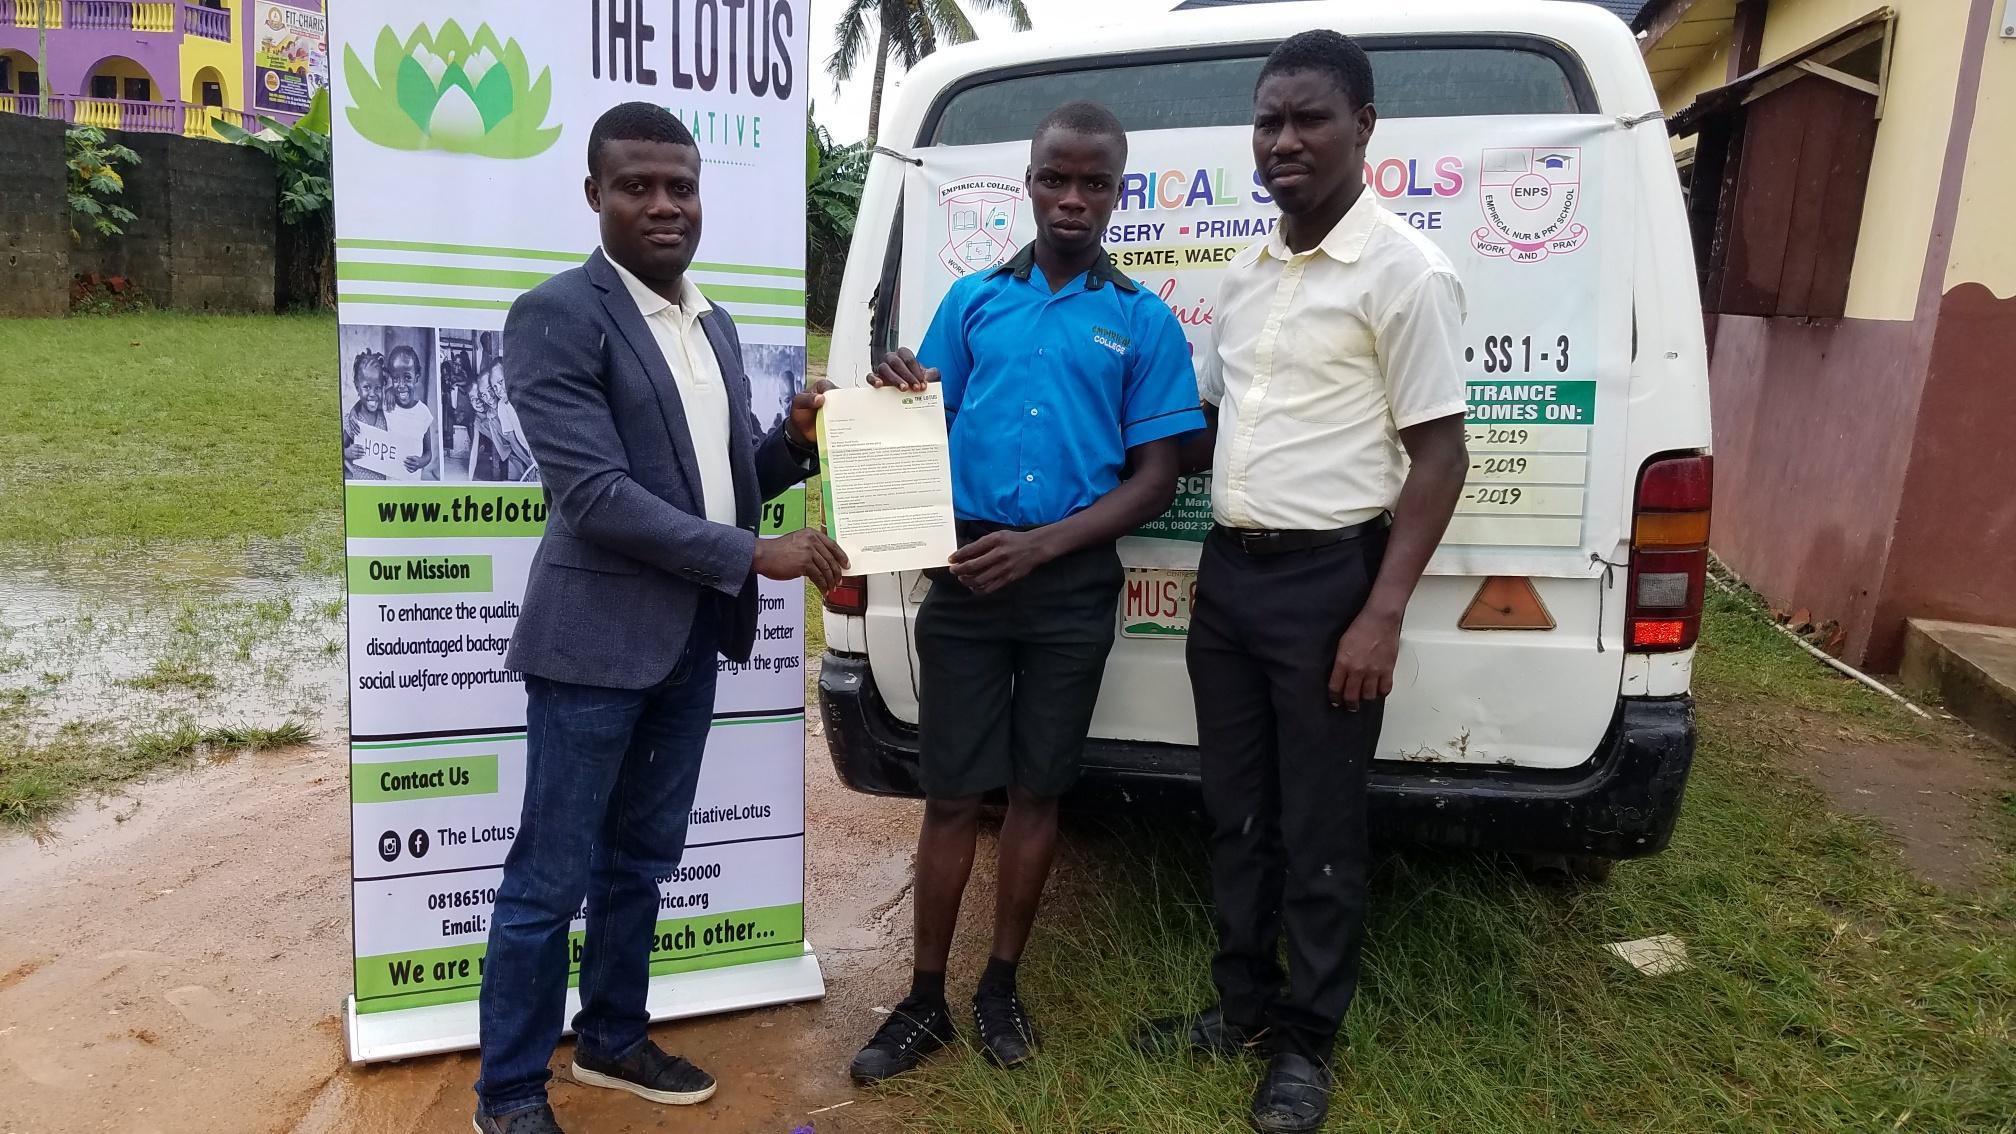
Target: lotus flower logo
[450, 91]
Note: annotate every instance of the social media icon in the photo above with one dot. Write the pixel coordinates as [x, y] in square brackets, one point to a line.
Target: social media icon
[388, 846]
[417, 844]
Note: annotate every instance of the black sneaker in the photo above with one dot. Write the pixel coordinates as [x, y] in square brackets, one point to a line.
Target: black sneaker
[1205, 1033]
[1007, 1037]
[531, 1120]
[911, 1032]
[1293, 1098]
[648, 1073]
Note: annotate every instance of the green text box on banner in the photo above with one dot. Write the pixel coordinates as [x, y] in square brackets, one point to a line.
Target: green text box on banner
[449, 975]
[785, 514]
[420, 574]
[437, 778]
[436, 510]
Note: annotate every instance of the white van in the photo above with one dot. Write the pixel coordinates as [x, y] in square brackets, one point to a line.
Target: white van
[1542, 697]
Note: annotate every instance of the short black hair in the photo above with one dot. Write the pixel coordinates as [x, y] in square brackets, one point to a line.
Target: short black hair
[1325, 52]
[392, 356]
[1082, 117]
[635, 122]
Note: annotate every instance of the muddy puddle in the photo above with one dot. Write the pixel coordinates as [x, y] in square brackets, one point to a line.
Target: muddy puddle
[179, 635]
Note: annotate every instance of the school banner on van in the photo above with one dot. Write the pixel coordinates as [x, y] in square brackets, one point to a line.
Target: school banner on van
[461, 134]
[1521, 206]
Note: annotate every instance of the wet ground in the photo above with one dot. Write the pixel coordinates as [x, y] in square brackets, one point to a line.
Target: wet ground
[175, 957]
[176, 960]
[193, 634]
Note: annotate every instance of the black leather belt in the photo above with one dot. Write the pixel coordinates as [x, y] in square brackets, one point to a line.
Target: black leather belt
[1272, 541]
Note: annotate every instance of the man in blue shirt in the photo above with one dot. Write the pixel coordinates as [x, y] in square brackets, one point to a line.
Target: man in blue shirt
[1066, 385]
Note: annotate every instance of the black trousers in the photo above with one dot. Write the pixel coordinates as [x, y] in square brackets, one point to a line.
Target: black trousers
[1284, 781]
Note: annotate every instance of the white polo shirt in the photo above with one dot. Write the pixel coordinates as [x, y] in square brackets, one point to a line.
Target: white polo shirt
[697, 374]
[1322, 358]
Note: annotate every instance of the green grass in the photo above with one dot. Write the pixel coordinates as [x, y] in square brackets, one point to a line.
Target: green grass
[818, 346]
[1830, 990]
[175, 673]
[38, 779]
[138, 429]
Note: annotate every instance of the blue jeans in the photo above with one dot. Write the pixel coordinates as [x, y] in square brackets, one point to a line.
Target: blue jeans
[609, 782]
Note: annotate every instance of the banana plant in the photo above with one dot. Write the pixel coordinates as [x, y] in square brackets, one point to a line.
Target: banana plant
[300, 156]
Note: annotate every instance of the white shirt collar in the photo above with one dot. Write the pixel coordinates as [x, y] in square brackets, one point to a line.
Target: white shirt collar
[650, 303]
[1346, 240]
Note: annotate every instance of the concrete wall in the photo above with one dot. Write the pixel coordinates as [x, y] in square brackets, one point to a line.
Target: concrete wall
[1954, 552]
[206, 234]
[203, 240]
[34, 218]
[1812, 440]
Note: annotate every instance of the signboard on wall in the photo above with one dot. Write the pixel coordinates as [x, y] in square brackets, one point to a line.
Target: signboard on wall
[290, 56]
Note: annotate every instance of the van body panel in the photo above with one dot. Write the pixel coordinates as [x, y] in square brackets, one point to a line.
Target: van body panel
[1539, 702]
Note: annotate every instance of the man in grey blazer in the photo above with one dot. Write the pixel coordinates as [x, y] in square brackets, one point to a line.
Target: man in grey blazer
[631, 390]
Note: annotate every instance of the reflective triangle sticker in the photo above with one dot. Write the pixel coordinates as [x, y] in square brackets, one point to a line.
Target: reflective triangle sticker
[1507, 602]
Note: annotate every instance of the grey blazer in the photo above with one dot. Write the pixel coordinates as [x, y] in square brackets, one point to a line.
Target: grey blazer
[628, 557]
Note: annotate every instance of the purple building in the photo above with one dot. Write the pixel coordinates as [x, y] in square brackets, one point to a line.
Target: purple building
[167, 66]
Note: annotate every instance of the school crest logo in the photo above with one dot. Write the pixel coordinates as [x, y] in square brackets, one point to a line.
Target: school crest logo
[1529, 195]
[980, 215]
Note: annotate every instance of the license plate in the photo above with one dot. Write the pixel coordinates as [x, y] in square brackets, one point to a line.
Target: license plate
[1156, 604]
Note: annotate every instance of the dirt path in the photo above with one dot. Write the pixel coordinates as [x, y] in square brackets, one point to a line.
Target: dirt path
[175, 960]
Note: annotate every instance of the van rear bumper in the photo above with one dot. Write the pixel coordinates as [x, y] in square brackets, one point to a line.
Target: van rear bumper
[1621, 803]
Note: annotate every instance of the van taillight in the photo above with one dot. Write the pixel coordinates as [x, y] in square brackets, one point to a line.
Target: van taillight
[1669, 553]
[849, 596]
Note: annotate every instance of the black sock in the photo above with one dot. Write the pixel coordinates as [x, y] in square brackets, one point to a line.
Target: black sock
[999, 978]
[927, 987]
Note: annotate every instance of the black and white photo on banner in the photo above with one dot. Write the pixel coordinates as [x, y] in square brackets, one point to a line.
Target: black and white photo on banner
[388, 403]
[480, 432]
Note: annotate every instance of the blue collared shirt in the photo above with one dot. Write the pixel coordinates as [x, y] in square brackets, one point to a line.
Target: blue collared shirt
[1045, 393]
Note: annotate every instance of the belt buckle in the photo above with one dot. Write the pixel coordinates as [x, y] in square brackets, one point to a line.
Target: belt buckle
[1254, 542]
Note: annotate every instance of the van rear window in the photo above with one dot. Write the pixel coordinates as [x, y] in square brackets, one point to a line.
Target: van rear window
[1411, 81]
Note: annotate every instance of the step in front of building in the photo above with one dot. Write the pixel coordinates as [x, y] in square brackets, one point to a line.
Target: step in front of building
[1971, 667]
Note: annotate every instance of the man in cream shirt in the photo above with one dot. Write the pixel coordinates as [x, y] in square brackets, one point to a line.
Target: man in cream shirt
[1337, 348]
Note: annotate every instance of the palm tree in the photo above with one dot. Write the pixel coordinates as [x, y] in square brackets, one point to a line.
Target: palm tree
[913, 28]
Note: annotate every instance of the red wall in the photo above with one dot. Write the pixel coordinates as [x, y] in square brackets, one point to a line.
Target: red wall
[1954, 556]
[1862, 485]
[1812, 442]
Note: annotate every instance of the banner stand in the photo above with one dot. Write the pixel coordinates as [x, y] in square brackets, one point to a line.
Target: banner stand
[452, 1027]
[460, 134]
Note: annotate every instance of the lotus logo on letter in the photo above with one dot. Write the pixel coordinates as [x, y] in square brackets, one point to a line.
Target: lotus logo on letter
[450, 91]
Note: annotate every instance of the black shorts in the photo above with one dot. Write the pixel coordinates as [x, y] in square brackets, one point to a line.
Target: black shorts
[1007, 682]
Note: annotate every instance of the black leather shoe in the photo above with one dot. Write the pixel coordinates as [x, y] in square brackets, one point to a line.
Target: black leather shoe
[911, 1032]
[1205, 1033]
[648, 1073]
[1007, 1038]
[1294, 1098]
